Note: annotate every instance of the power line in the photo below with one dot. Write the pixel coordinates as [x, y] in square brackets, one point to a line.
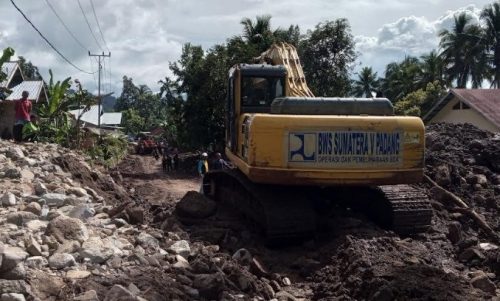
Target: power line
[43, 37]
[64, 24]
[88, 24]
[98, 25]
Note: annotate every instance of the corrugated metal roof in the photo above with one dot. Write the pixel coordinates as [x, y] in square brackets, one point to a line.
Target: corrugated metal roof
[92, 115]
[8, 68]
[34, 89]
[485, 101]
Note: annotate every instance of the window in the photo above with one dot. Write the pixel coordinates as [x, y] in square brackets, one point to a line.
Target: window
[261, 91]
[460, 106]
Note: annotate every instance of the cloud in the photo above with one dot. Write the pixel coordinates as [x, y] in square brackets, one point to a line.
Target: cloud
[408, 36]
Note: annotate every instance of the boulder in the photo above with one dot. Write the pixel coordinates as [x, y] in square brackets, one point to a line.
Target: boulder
[36, 262]
[77, 274]
[8, 199]
[82, 212]
[146, 240]
[96, 250]
[454, 232]
[15, 153]
[13, 286]
[36, 225]
[27, 176]
[483, 283]
[67, 228]
[443, 175]
[12, 297]
[11, 257]
[209, 285]
[32, 247]
[17, 273]
[61, 260]
[119, 293]
[12, 173]
[78, 191]
[20, 217]
[40, 189]
[54, 199]
[195, 205]
[87, 296]
[180, 247]
[34, 208]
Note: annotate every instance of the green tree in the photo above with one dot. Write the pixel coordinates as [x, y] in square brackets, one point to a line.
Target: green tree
[259, 32]
[132, 122]
[419, 102]
[366, 83]
[6, 55]
[432, 69]
[401, 78]
[29, 70]
[463, 52]
[327, 55]
[491, 17]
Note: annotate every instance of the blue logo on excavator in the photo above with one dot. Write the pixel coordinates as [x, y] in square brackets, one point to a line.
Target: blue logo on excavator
[302, 147]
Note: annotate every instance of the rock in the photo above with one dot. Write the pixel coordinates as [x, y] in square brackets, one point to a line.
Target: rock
[209, 285]
[40, 189]
[32, 247]
[286, 281]
[454, 232]
[54, 199]
[36, 225]
[8, 199]
[12, 297]
[78, 191]
[11, 257]
[77, 274]
[17, 273]
[243, 256]
[180, 247]
[181, 262]
[385, 293]
[20, 217]
[96, 250]
[133, 289]
[119, 222]
[36, 262]
[34, 208]
[443, 175]
[67, 228]
[470, 254]
[146, 240]
[27, 176]
[46, 284]
[483, 283]
[486, 246]
[82, 212]
[481, 180]
[135, 215]
[61, 260]
[13, 286]
[15, 153]
[285, 296]
[87, 296]
[257, 268]
[195, 205]
[68, 246]
[13, 173]
[118, 293]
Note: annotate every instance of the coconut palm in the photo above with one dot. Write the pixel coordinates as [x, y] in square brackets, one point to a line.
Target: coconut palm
[366, 83]
[401, 78]
[491, 17]
[432, 69]
[463, 52]
[258, 32]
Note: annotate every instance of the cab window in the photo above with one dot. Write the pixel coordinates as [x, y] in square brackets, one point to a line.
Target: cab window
[261, 91]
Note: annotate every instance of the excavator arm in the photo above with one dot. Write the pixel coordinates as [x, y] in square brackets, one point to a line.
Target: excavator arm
[286, 55]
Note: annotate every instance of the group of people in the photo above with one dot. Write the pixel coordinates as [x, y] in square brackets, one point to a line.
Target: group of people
[169, 157]
[216, 163]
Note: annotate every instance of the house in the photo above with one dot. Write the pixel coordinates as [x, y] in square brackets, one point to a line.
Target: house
[480, 107]
[91, 118]
[11, 89]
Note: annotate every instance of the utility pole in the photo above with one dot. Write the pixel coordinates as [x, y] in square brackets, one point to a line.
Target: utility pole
[99, 57]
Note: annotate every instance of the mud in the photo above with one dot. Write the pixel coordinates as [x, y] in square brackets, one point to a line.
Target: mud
[350, 259]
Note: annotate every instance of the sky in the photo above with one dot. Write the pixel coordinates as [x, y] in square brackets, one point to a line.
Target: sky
[143, 36]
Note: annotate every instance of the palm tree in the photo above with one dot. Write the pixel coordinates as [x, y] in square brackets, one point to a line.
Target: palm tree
[463, 52]
[491, 16]
[401, 78]
[258, 32]
[432, 68]
[366, 83]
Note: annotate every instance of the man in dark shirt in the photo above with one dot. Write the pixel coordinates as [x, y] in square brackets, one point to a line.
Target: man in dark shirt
[23, 115]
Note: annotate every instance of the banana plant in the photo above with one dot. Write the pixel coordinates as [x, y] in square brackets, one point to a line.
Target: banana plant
[6, 55]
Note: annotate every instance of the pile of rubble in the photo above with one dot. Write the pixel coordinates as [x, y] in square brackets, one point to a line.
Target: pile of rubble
[70, 232]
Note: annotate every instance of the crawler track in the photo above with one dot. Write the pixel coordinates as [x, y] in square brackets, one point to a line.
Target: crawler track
[284, 212]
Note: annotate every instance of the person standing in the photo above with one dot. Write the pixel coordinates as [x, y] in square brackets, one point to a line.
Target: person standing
[23, 108]
[203, 165]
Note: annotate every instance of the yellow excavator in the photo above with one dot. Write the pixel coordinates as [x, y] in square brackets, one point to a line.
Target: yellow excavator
[292, 150]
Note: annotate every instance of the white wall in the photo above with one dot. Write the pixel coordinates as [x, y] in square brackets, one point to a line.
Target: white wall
[447, 114]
